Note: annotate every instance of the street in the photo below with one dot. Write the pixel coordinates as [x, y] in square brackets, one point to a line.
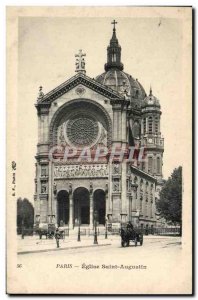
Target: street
[160, 246]
[159, 261]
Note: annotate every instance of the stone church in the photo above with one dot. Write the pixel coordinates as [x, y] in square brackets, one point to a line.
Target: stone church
[111, 111]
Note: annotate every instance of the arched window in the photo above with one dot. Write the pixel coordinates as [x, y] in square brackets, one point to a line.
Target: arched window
[146, 188]
[150, 124]
[141, 185]
[144, 125]
[150, 164]
[156, 124]
[158, 165]
[136, 129]
[141, 199]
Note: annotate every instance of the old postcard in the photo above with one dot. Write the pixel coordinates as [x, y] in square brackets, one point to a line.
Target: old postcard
[99, 139]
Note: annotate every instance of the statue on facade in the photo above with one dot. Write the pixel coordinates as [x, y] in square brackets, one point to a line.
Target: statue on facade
[80, 62]
[55, 188]
[116, 186]
[91, 188]
[70, 188]
[106, 188]
[116, 169]
[40, 93]
[43, 189]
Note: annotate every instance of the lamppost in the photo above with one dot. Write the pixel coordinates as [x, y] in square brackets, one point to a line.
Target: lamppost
[134, 187]
[78, 222]
[95, 227]
[106, 228]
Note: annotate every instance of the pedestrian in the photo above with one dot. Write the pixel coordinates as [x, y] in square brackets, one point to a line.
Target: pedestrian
[129, 225]
[57, 237]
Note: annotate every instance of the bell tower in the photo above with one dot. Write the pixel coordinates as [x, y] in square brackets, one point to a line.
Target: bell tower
[151, 136]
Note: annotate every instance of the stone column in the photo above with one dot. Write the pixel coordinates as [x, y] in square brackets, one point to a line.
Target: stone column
[124, 188]
[50, 195]
[71, 207]
[56, 208]
[71, 211]
[124, 125]
[91, 211]
[106, 200]
[91, 205]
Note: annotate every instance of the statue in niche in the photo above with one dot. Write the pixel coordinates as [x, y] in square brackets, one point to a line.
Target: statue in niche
[43, 189]
[103, 136]
[98, 170]
[70, 188]
[116, 186]
[106, 188]
[83, 171]
[61, 135]
[55, 188]
[91, 188]
[80, 170]
[92, 171]
[116, 168]
[72, 171]
[104, 170]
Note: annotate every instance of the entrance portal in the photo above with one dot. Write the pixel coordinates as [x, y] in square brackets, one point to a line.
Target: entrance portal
[100, 205]
[63, 207]
[81, 206]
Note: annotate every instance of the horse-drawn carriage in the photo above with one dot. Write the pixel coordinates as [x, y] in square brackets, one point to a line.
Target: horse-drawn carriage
[48, 230]
[128, 233]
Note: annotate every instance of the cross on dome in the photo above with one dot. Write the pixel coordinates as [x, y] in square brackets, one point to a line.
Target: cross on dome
[114, 23]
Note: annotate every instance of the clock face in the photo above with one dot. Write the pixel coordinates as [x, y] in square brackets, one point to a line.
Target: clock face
[150, 141]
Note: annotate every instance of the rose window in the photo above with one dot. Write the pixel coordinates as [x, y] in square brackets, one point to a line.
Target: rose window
[82, 130]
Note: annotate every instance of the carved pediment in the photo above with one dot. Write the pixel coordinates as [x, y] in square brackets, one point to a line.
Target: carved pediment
[79, 79]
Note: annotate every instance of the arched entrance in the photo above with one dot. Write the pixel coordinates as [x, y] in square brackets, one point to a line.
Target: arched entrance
[63, 207]
[100, 205]
[81, 206]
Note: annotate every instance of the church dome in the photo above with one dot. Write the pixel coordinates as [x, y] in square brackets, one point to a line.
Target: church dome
[150, 101]
[115, 78]
[123, 83]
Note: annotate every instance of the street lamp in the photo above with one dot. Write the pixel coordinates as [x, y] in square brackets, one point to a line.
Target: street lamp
[78, 222]
[95, 227]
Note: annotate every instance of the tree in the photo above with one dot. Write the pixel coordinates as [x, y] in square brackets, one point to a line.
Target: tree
[25, 214]
[170, 203]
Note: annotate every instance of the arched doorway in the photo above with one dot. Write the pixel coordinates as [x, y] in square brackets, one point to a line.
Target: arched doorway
[81, 206]
[63, 207]
[100, 205]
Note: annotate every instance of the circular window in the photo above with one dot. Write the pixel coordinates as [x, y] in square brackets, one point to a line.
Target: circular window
[82, 130]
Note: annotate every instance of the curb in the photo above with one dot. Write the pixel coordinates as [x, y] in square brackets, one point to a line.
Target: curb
[59, 249]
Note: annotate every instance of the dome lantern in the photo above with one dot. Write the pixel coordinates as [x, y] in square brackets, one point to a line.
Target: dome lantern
[114, 52]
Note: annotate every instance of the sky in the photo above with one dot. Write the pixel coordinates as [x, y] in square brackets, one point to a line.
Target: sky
[152, 52]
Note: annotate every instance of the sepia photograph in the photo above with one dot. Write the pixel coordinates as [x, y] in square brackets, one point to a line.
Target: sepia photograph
[99, 181]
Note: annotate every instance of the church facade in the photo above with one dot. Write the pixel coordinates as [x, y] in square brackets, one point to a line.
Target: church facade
[100, 150]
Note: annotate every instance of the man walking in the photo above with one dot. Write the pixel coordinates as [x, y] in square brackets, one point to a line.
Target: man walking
[57, 237]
